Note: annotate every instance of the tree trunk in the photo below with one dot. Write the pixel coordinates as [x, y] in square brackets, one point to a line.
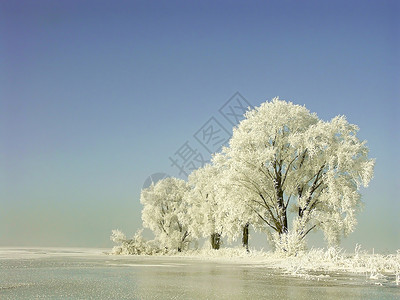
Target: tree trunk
[245, 238]
[182, 243]
[215, 241]
[281, 206]
[284, 218]
[282, 214]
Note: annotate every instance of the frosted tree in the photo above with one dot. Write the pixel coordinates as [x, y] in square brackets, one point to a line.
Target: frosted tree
[286, 164]
[164, 212]
[204, 219]
[213, 211]
[237, 217]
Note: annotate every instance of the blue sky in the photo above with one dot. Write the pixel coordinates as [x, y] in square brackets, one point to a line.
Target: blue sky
[97, 95]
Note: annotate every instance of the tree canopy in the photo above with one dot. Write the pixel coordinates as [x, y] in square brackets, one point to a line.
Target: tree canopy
[283, 160]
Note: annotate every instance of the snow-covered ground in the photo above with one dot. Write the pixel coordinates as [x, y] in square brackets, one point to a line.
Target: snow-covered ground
[42, 252]
[376, 267]
[78, 273]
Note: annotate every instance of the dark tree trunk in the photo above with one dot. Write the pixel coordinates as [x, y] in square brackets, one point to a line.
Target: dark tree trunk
[281, 204]
[215, 241]
[182, 244]
[283, 213]
[245, 238]
[284, 219]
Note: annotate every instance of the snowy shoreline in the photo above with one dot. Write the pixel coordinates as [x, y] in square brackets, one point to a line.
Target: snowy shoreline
[315, 261]
[374, 266]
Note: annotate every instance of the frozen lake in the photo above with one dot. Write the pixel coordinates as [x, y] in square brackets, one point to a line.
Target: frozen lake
[89, 274]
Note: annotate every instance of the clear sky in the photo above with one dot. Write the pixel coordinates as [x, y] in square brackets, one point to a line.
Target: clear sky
[98, 95]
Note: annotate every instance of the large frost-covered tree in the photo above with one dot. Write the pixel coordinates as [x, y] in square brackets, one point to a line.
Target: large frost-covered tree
[288, 166]
[164, 212]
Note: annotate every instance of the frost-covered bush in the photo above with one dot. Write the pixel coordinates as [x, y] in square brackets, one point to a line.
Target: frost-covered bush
[117, 236]
[398, 267]
[288, 244]
[135, 246]
[335, 259]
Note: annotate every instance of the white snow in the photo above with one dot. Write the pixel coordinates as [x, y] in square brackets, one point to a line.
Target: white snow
[374, 266]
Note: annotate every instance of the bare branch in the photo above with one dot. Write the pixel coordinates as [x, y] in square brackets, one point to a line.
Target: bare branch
[287, 169]
[288, 200]
[262, 218]
[303, 236]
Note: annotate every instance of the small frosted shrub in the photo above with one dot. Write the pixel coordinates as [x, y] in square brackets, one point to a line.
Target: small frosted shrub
[135, 246]
[288, 244]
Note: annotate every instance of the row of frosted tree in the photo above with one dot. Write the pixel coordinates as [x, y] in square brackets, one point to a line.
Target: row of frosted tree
[285, 173]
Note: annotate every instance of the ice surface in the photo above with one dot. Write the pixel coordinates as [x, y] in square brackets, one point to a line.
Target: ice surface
[89, 274]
